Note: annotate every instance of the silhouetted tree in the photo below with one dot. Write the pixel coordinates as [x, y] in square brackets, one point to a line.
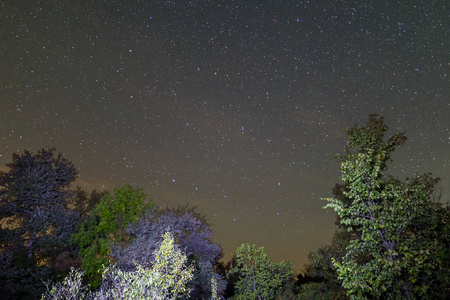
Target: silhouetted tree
[321, 279]
[36, 223]
[224, 269]
[84, 203]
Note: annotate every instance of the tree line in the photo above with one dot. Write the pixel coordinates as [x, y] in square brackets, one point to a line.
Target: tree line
[59, 242]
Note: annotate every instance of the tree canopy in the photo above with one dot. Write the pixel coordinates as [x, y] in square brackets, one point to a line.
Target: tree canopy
[400, 246]
[258, 276]
[36, 223]
[392, 239]
[106, 225]
[192, 233]
[166, 279]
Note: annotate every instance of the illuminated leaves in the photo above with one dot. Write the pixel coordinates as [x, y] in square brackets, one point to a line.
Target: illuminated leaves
[396, 224]
[166, 279]
[106, 225]
[191, 232]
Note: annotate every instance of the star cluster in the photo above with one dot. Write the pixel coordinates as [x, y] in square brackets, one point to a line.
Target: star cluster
[237, 107]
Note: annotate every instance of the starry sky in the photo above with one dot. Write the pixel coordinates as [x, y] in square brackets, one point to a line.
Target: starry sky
[237, 107]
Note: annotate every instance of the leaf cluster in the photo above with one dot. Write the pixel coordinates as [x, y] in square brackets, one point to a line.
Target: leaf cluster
[36, 223]
[106, 226]
[259, 276]
[191, 232]
[397, 247]
[166, 279]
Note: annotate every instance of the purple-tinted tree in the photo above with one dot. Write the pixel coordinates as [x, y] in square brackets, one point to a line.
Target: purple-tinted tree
[165, 280]
[193, 235]
[36, 223]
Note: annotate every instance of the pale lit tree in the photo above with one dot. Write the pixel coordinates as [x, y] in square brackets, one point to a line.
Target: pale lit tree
[192, 234]
[166, 279]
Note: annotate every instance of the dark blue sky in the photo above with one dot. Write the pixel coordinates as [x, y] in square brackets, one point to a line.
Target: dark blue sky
[237, 107]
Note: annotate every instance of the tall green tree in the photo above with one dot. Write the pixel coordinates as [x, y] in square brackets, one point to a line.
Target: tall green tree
[106, 225]
[400, 246]
[258, 276]
[36, 223]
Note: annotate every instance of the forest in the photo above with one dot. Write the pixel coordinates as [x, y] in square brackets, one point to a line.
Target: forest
[58, 241]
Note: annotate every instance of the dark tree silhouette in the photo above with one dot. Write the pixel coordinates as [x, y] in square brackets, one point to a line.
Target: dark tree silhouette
[36, 223]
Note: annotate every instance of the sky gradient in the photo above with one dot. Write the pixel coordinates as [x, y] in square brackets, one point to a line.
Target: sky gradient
[237, 107]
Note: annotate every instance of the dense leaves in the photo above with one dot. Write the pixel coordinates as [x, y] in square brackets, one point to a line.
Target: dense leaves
[71, 288]
[399, 248]
[392, 239]
[259, 276]
[192, 234]
[166, 279]
[36, 222]
[106, 225]
[33, 199]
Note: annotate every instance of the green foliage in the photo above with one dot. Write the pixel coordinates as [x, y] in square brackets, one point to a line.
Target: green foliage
[397, 249]
[171, 270]
[320, 291]
[117, 212]
[259, 277]
[310, 291]
[166, 279]
[106, 225]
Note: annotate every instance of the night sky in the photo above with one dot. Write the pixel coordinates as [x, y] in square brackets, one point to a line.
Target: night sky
[237, 107]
